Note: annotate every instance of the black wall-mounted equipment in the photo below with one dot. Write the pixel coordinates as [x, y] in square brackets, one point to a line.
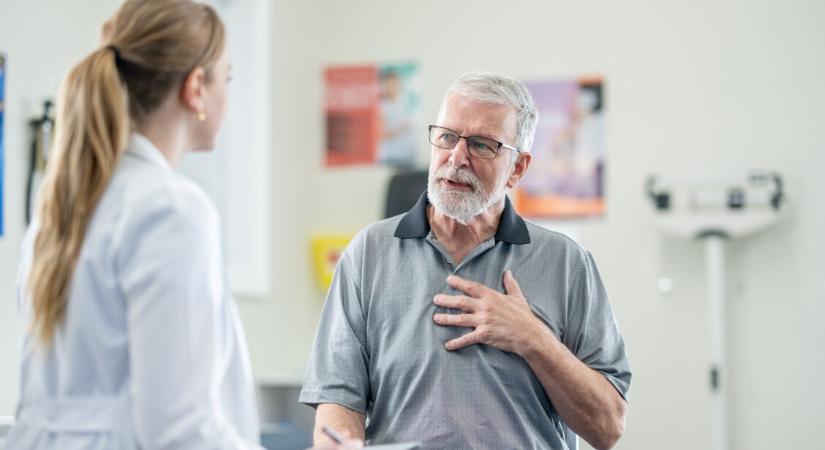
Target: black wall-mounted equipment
[42, 129]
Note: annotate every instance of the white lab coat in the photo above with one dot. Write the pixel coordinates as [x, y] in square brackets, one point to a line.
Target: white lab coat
[151, 353]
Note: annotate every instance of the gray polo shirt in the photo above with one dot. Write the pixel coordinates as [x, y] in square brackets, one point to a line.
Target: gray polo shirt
[378, 351]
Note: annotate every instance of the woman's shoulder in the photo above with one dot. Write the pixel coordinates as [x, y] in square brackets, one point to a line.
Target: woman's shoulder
[145, 199]
[138, 186]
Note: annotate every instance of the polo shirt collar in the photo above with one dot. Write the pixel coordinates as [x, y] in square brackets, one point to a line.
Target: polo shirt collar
[511, 227]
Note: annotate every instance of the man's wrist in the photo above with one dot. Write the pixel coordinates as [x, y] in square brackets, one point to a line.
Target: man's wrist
[540, 344]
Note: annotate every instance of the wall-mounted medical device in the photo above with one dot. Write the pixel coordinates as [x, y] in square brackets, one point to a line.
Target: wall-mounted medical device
[42, 133]
[715, 209]
[730, 205]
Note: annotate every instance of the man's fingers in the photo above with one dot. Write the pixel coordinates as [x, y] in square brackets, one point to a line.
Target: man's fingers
[466, 340]
[462, 302]
[455, 320]
[511, 286]
[471, 288]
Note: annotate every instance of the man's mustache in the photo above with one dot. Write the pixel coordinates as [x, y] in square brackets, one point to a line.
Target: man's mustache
[461, 175]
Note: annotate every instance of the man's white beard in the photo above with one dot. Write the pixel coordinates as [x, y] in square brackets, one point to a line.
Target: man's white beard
[459, 205]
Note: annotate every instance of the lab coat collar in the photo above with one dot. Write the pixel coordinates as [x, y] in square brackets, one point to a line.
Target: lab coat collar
[140, 146]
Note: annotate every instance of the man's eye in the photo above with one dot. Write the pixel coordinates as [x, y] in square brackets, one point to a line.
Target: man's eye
[447, 138]
[482, 147]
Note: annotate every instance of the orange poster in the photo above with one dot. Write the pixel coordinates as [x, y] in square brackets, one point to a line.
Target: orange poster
[371, 115]
[351, 115]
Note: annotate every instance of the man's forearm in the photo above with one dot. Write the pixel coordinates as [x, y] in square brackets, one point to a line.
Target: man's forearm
[584, 399]
[347, 422]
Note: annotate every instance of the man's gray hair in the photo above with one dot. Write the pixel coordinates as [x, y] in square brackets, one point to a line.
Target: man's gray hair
[488, 87]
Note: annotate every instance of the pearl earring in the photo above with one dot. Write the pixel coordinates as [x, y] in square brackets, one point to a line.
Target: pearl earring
[201, 116]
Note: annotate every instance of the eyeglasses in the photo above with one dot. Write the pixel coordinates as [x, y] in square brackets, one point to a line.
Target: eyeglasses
[480, 147]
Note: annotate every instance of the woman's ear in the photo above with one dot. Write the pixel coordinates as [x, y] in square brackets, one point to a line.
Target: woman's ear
[193, 89]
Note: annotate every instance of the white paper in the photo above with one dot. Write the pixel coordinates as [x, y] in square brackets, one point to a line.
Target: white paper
[398, 446]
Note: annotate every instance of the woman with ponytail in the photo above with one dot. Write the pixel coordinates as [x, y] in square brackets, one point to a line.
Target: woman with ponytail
[132, 340]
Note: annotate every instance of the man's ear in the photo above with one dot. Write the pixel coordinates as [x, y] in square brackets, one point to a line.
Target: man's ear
[193, 89]
[520, 169]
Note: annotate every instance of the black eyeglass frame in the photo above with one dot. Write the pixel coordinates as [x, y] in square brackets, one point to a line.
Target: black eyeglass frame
[467, 138]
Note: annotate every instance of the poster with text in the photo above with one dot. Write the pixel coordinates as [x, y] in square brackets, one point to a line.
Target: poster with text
[566, 175]
[2, 113]
[372, 115]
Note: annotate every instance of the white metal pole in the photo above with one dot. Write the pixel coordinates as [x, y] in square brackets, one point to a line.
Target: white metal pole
[715, 266]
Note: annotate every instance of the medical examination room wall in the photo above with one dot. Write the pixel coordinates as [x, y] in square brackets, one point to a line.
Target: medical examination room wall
[691, 87]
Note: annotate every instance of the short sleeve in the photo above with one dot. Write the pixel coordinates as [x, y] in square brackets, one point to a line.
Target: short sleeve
[338, 366]
[593, 334]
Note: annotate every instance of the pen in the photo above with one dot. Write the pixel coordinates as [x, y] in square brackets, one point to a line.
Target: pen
[334, 435]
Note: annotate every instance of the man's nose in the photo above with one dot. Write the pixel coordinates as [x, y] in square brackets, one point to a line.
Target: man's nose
[460, 154]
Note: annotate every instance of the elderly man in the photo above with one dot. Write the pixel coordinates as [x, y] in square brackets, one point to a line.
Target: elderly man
[427, 335]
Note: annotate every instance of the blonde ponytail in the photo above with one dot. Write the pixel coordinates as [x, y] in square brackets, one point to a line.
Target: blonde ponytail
[92, 129]
[152, 46]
